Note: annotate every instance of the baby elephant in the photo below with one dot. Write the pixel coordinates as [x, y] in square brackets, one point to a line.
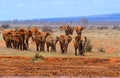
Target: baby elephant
[79, 44]
[51, 42]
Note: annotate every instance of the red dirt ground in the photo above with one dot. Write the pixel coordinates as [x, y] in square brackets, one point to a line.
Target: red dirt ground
[63, 66]
[59, 66]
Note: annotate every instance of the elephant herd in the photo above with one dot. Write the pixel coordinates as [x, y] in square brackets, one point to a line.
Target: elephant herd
[19, 39]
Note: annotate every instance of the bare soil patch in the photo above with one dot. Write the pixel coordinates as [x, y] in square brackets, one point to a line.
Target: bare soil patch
[59, 66]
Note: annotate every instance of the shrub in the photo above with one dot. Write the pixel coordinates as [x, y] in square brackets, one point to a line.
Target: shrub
[37, 57]
[47, 29]
[101, 49]
[5, 26]
[88, 47]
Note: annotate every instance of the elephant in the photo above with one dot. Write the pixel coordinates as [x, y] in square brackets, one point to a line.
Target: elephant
[21, 33]
[8, 37]
[44, 35]
[68, 29]
[17, 41]
[80, 44]
[25, 35]
[51, 42]
[79, 30]
[64, 41]
[40, 38]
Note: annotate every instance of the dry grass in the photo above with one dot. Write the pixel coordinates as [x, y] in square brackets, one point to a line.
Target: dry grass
[109, 39]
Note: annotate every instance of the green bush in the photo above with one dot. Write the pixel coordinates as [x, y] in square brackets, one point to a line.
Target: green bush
[88, 47]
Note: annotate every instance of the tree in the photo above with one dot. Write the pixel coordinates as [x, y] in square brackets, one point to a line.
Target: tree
[5, 26]
[84, 21]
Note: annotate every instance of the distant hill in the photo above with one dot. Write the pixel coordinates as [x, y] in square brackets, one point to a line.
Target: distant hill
[93, 19]
[103, 17]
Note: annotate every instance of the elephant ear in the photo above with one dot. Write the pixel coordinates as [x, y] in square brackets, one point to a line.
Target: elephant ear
[47, 34]
[82, 28]
[69, 39]
[64, 27]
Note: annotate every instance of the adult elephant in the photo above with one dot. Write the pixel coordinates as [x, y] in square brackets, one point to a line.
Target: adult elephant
[8, 37]
[64, 41]
[68, 29]
[25, 35]
[21, 33]
[80, 44]
[39, 38]
[79, 30]
[17, 41]
[44, 35]
[51, 41]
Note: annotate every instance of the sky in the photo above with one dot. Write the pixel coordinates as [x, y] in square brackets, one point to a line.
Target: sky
[34, 9]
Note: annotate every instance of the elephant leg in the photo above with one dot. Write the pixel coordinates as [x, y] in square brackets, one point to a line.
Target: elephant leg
[47, 47]
[43, 48]
[20, 46]
[83, 51]
[27, 44]
[76, 51]
[37, 47]
[52, 48]
[79, 49]
[6, 43]
[55, 48]
[11, 44]
[61, 47]
[65, 49]
[14, 44]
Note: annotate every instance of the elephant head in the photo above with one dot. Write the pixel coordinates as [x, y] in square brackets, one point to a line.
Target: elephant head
[79, 30]
[34, 30]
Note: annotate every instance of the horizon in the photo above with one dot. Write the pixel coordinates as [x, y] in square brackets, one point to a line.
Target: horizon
[28, 9]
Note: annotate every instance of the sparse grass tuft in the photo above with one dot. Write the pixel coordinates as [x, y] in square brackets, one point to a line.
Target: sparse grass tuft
[37, 57]
[101, 49]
